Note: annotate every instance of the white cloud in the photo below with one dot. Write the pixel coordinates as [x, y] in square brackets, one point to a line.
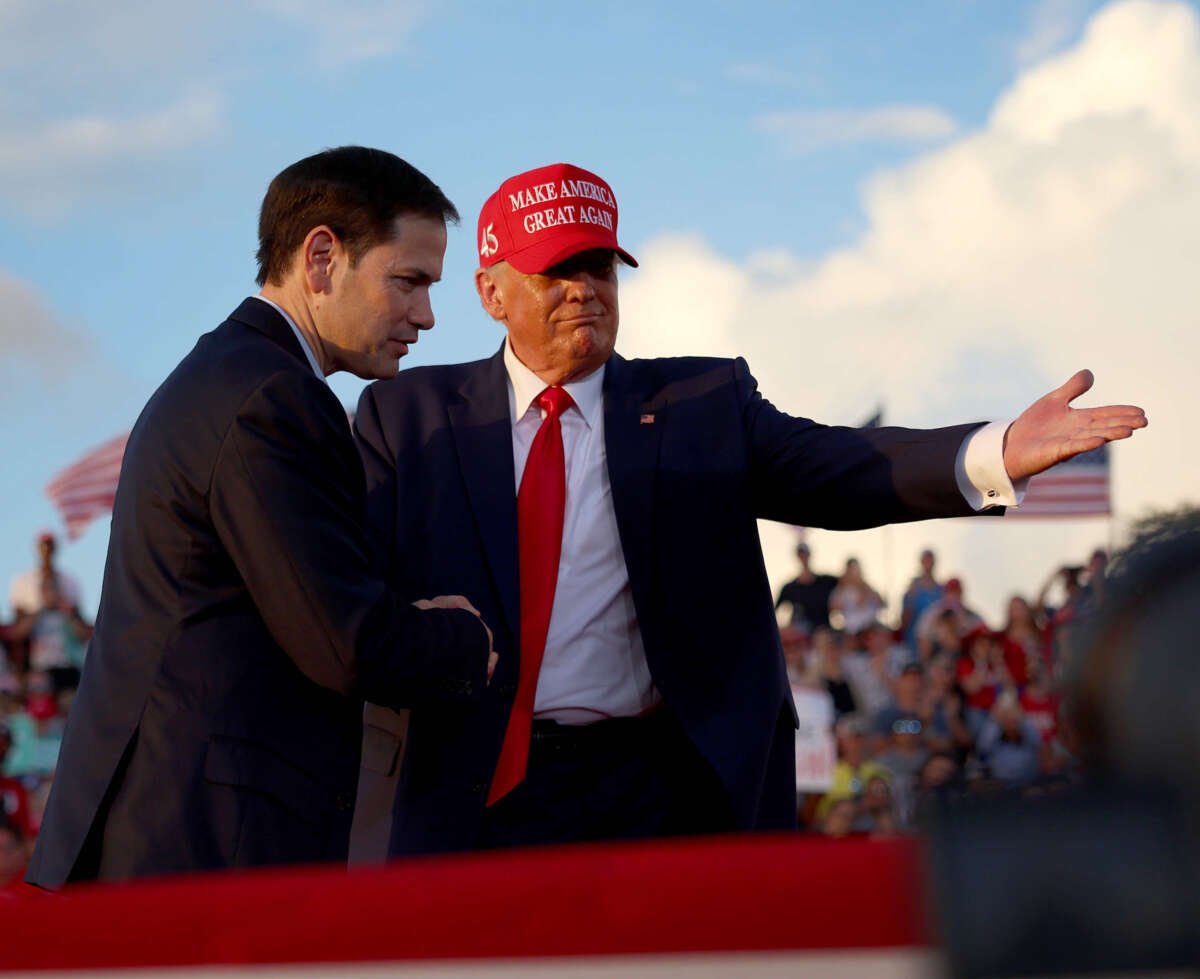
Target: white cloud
[97, 91]
[811, 131]
[48, 168]
[354, 31]
[1051, 25]
[32, 337]
[1063, 235]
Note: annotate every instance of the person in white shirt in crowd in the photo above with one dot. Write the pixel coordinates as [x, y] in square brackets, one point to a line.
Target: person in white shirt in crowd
[47, 618]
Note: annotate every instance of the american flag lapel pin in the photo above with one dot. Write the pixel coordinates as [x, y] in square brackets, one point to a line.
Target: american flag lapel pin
[648, 419]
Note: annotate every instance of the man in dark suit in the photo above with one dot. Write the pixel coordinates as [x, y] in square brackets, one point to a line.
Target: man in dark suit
[652, 697]
[242, 619]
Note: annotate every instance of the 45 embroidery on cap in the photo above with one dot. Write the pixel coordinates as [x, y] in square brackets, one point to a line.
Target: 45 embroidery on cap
[488, 243]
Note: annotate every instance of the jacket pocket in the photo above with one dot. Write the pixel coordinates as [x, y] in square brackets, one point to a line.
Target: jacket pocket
[246, 765]
[384, 734]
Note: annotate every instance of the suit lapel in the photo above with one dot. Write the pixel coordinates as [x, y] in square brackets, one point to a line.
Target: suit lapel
[483, 438]
[632, 432]
[266, 319]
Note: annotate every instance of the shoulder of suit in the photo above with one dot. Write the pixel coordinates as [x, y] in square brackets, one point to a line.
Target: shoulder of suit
[229, 364]
[654, 372]
[427, 378]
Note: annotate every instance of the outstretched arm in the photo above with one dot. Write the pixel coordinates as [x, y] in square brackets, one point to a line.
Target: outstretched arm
[1050, 431]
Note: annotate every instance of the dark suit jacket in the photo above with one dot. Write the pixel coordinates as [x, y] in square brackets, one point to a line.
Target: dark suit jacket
[695, 457]
[241, 621]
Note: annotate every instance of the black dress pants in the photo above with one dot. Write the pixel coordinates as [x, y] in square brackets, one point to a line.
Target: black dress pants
[617, 779]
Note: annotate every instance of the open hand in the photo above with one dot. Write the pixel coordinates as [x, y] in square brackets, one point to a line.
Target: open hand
[1050, 431]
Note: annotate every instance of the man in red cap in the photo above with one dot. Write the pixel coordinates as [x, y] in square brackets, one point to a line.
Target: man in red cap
[600, 513]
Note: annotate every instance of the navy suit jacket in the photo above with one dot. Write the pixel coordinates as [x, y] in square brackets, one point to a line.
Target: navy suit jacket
[695, 457]
[242, 620]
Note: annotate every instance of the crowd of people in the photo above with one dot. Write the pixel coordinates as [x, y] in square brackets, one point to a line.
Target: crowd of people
[43, 647]
[936, 704]
[939, 704]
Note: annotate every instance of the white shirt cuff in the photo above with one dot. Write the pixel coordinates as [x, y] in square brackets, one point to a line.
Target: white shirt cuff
[979, 470]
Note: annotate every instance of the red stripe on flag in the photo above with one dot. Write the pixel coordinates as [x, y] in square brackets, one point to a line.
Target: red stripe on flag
[87, 488]
[1077, 488]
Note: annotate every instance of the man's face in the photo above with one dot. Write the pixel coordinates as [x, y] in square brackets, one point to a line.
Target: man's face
[562, 323]
[374, 309]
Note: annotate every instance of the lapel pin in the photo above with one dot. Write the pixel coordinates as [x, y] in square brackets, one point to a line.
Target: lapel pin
[648, 419]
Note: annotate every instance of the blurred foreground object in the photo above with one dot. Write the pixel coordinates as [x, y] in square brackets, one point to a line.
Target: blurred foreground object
[1105, 876]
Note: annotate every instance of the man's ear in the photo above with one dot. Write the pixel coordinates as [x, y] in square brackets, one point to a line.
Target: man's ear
[491, 296]
[319, 255]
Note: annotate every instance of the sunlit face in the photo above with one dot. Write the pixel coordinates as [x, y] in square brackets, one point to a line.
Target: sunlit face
[374, 310]
[562, 323]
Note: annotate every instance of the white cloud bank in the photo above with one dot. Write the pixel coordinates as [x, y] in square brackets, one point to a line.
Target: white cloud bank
[1051, 25]
[1065, 234]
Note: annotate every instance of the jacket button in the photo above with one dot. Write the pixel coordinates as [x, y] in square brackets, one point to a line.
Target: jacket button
[344, 803]
[479, 788]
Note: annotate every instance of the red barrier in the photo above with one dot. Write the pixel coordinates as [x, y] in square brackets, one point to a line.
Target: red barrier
[763, 893]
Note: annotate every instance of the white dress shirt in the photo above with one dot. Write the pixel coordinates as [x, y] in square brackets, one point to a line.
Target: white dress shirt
[595, 665]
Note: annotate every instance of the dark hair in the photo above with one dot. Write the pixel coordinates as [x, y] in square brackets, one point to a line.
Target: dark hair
[357, 191]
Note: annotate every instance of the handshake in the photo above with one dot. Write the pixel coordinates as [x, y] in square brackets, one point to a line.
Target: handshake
[457, 601]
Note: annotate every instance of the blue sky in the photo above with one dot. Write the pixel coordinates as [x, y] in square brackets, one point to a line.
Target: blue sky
[946, 212]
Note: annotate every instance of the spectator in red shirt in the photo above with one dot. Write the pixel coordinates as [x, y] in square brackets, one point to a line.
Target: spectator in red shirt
[982, 675]
[1023, 639]
[1040, 702]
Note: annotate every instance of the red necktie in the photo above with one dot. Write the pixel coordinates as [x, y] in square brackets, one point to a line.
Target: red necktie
[541, 501]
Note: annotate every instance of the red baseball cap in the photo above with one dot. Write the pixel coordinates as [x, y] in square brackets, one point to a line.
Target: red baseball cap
[542, 217]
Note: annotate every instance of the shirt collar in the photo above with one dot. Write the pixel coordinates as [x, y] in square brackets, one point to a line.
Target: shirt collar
[524, 386]
[308, 352]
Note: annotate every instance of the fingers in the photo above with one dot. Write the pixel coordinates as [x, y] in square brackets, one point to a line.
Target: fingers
[1117, 416]
[446, 601]
[1079, 383]
[458, 601]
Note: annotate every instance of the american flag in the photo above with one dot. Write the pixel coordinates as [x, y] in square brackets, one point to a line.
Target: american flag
[86, 489]
[1078, 487]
